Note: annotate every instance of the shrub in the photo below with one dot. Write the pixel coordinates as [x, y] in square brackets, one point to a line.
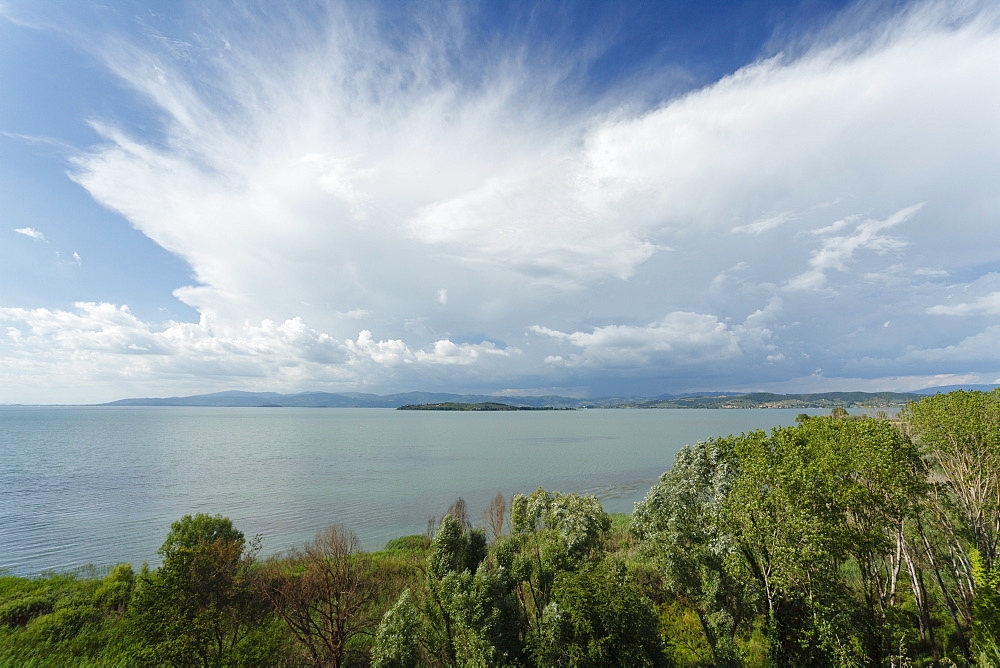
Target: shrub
[22, 610]
[63, 624]
[414, 543]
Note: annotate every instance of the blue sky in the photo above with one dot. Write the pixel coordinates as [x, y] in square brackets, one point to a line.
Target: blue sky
[584, 198]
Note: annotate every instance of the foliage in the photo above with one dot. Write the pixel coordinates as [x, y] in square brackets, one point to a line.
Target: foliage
[64, 623]
[415, 543]
[801, 525]
[837, 541]
[201, 605]
[115, 591]
[577, 521]
[959, 434]
[986, 610]
[959, 439]
[682, 531]
[463, 614]
[20, 611]
[397, 641]
[597, 617]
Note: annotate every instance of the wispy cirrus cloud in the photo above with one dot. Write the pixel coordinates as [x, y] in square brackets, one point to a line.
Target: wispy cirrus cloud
[31, 232]
[837, 251]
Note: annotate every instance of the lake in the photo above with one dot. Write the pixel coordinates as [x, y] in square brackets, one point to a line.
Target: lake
[83, 485]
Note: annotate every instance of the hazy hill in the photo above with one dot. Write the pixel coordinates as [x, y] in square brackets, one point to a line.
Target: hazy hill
[359, 400]
[945, 389]
[692, 400]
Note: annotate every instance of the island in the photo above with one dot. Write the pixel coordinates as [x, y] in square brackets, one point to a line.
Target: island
[481, 406]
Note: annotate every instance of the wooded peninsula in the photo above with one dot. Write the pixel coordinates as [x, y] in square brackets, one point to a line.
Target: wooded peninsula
[842, 540]
[481, 406]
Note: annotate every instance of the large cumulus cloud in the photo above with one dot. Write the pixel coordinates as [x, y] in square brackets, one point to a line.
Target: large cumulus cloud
[399, 196]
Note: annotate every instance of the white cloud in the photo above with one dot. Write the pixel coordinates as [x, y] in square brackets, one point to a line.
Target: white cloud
[679, 339]
[975, 350]
[30, 232]
[837, 252]
[761, 226]
[336, 170]
[99, 340]
[984, 305]
[395, 352]
[299, 173]
[446, 352]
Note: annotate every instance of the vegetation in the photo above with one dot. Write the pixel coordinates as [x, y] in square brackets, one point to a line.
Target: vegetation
[769, 400]
[481, 406]
[843, 540]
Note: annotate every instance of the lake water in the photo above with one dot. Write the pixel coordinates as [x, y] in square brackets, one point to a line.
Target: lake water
[101, 485]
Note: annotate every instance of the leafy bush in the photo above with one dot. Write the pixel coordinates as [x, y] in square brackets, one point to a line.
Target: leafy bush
[115, 591]
[414, 543]
[22, 610]
[63, 624]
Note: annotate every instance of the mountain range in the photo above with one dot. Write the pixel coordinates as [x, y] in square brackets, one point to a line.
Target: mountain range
[236, 398]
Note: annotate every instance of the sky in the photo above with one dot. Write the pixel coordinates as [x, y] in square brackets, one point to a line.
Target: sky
[509, 198]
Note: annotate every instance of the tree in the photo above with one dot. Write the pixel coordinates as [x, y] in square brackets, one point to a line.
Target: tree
[201, 606]
[324, 595]
[465, 615]
[683, 533]
[397, 641]
[577, 521]
[958, 435]
[115, 591]
[550, 532]
[986, 612]
[774, 522]
[493, 517]
[597, 617]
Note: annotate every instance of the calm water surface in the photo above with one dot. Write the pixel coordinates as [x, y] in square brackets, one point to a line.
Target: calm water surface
[102, 485]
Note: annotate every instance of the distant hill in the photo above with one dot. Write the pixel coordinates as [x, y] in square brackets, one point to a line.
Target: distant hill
[685, 395]
[769, 400]
[359, 400]
[944, 389]
[692, 400]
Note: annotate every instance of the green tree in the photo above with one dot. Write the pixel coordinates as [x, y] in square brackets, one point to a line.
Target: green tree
[803, 524]
[597, 617]
[201, 607]
[550, 532]
[115, 591]
[790, 530]
[986, 612]
[397, 640]
[682, 531]
[577, 521]
[958, 435]
[465, 614]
